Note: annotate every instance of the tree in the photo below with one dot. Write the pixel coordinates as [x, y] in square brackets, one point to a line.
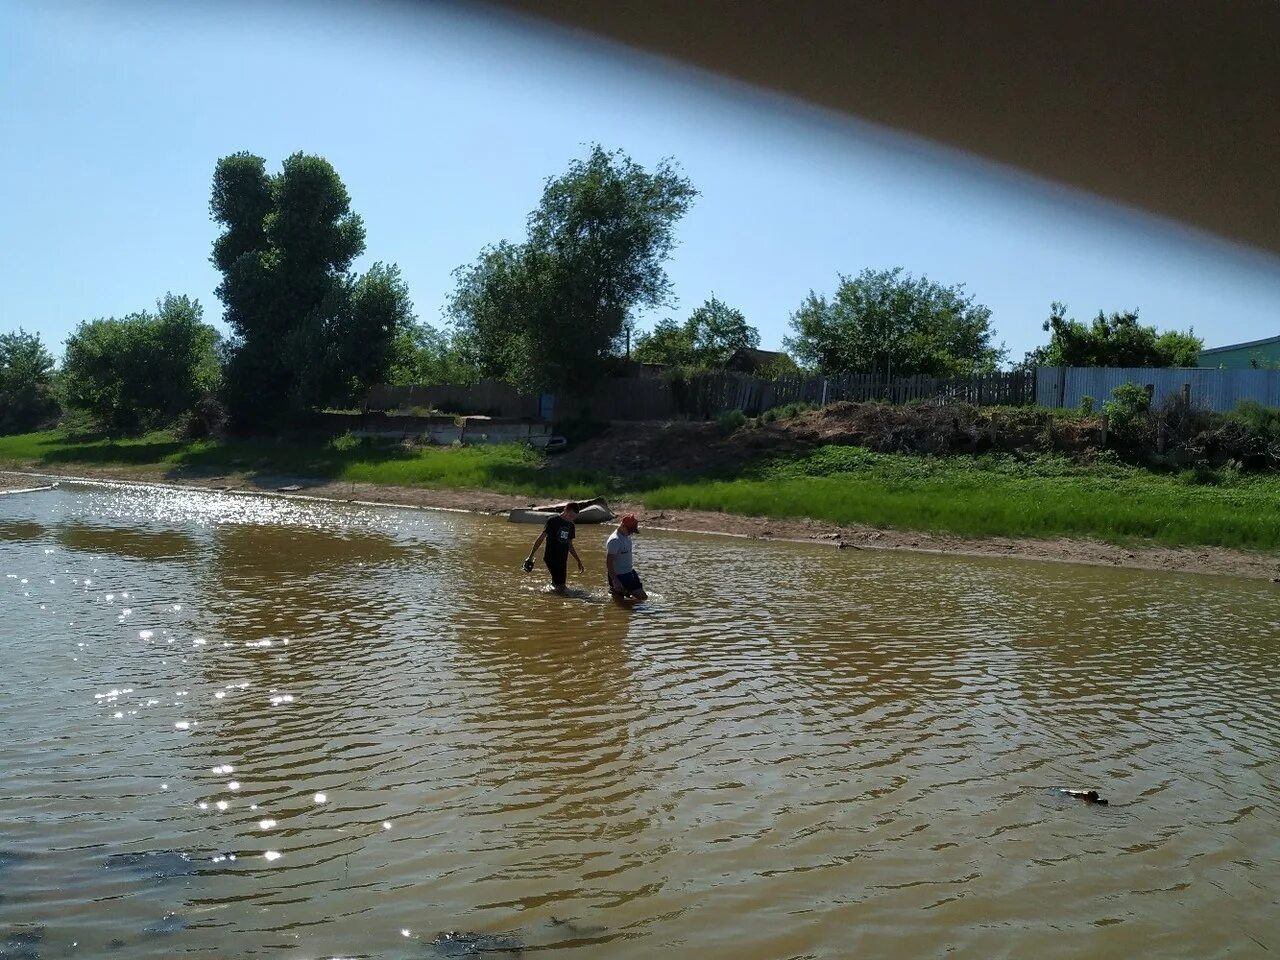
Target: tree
[545, 314]
[26, 376]
[143, 370]
[429, 356]
[780, 366]
[668, 343]
[1114, 340]
[307, 330]
[718, 331]
[888, 322]
[707, 339]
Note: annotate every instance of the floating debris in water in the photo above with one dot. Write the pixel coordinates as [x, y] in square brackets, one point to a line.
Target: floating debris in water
[182, 725]
[578, 929]
[266, 824]
[320, 798]
[386, 824]
[1088, 796]
[455, 944]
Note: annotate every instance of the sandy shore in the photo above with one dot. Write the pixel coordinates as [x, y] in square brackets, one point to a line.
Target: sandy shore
[1203, 560]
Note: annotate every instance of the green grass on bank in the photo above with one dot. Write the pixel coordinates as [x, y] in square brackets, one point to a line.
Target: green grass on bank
[988, 496]
[999, 497]
[506, 468]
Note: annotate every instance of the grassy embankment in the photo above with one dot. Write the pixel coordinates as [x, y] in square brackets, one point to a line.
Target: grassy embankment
[985, 496]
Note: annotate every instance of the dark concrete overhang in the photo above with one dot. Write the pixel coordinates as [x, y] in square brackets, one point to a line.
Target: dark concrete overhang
[1171, 107]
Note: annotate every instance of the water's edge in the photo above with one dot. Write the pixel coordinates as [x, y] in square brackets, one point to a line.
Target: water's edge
[1201, 561]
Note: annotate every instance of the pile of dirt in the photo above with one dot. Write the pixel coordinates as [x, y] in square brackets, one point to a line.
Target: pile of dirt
[684, 447]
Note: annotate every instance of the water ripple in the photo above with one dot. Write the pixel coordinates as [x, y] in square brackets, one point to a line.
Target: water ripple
[253, 727]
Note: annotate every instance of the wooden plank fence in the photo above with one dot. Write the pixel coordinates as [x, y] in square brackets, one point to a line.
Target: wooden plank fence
[1012, 389]
[702, 396]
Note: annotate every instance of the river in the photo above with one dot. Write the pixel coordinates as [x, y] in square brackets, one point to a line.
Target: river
[242, 726]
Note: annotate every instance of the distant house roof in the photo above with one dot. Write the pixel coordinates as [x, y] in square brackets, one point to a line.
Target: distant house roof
[1265, 342]
[750, 360]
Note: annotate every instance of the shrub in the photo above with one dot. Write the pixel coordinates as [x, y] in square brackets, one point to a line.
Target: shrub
[143, 371]
[731, 420]
[1086, 405]
[787, 411]
[208, 418]
[1129, 413]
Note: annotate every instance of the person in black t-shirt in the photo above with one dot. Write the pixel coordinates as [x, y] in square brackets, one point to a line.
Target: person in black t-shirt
[558, 534]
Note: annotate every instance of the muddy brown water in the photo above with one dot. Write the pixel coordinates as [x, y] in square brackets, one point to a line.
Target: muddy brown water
[791, 751]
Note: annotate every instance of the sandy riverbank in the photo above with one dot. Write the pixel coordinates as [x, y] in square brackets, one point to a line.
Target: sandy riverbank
[1203, 560]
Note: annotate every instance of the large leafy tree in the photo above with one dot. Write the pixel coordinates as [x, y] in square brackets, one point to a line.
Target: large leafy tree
[143, 370]
[707, 339]
[307, 330]
[427, 355]
[1112, 340]
[668, 343]
[26, 376]
[546, 313]
[891, 323]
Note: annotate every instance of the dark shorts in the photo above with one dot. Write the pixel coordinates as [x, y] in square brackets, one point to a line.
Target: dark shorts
[558, 566]
[630, 582]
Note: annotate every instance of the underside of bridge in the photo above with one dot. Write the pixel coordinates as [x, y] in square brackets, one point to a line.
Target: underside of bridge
[1172, 107]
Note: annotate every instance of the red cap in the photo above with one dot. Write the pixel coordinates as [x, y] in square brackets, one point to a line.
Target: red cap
[630, 522]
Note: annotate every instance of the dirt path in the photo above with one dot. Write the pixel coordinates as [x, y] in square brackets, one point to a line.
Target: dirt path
[1204, 560]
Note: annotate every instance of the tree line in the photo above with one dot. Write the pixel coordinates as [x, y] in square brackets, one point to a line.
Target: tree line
[554, 312]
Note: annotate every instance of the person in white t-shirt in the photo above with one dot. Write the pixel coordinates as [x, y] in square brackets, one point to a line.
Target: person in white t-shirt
[624, 582]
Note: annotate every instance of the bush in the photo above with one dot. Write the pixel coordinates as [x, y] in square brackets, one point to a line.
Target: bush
[787, 411]
[1257, 421]
[143, 371]
[208, 418]
[1086, 405]
[730, 421]
[1129, 411]
[1249, 436]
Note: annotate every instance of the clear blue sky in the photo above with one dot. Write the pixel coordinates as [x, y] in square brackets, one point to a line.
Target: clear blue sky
[444, 122]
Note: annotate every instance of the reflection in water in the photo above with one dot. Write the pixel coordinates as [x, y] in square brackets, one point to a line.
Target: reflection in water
[140, 544]
[248, 727]
[19, 530]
